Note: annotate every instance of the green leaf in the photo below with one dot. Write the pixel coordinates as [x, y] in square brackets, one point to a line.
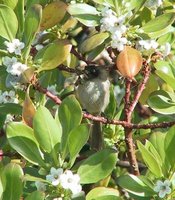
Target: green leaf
[21, 138]
[76, 140]
[35, 195]
[155, 25]
[100, 192]
[157, 140]
[8, 23]
[53, 54]
[10, 3]
[70, 115]
[151, 86]
[134, 185]
[97, 166]
[19, 11]
[86, 14]
[47, 132]
[149, 159]
[162, 102]
[12, 174]
[81, 9]
[166, 72]
[93, 42]
[169, 147]
[11, 108]
[32, 24]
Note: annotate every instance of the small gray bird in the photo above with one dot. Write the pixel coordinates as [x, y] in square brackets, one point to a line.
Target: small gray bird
[93, 92]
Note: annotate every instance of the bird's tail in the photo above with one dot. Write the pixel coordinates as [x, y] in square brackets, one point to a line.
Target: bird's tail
[96, 139]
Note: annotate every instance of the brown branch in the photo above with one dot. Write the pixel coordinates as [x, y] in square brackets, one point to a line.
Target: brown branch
[80, 57]
[141, 87]
[104, 120]
[128, 131]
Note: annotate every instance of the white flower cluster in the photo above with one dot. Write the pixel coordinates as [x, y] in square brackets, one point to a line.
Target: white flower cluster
[152, 44]
[66, 180]
[15, 46]
[8, 97]
[13, 66]
[162, 188]
[154, 3]
[115, 25]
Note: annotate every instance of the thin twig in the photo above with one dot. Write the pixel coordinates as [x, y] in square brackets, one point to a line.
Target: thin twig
[104, 120]
[80, 57]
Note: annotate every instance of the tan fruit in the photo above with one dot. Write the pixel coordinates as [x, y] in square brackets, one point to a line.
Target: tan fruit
[129, 62]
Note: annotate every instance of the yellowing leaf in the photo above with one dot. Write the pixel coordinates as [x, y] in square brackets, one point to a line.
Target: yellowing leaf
[129, 62]
[53, 13]
[28, 111]
[53, 54]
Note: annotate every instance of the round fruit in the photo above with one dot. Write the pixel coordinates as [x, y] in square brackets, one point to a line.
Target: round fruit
[129, 62]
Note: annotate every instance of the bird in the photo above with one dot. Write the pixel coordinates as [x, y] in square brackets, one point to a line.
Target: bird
[93, 91]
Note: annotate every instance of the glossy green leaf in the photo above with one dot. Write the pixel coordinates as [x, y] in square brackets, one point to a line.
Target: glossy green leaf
[148, 145]
[81, 9]
[53, 13]
[169, 37]
[32, 23]
[70, 115]
[21, 138]
[149, 159]
[53, 54]
[8, 23]
[157, 140]
[47, 132]
[151, 86]
[12, 174]
[169, 147]
[10, 3]
[97, 166]
[86, 14]
[162, 102]
[167, 78]
[103, 192]
[157, 34]
[19, 11]
[93, 42]
[76, 140]
[11, 108]
[35, 195]
[155, 25]
[135, 185]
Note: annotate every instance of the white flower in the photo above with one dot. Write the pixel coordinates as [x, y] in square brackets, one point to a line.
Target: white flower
[166, 49]
[9, 118]
[15, 46]
[39, 47]
[8, 62]
[154, 3]
[16, 69]
[119, 44]
[8, 97]
[71, 181]
[54, 176]
[163, 188]
[148, 44]
[40, 186]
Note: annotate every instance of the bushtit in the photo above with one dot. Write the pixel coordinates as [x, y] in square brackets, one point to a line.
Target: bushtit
[93, 92]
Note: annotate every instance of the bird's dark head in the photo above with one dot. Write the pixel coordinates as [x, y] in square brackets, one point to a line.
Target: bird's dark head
[93, 71]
